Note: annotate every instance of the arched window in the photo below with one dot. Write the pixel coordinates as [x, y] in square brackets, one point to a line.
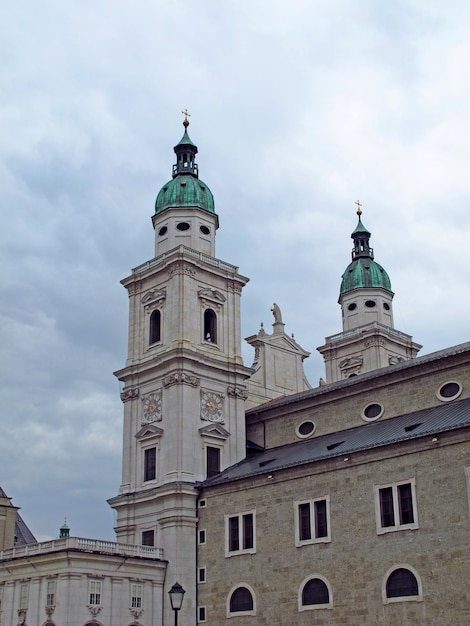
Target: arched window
[241, 601]
[210, 326]
[155, 327]
[315, 592]
[401, 583]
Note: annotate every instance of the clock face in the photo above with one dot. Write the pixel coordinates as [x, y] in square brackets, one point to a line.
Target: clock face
[152, 411]
[211, 406]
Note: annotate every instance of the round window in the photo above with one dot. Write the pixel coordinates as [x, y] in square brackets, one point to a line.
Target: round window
[205, 230]
[449, 391]
[372, 411]
[370, 304]
[305, 429]
[352, 306]
[386, 306]
[183, 226]
[163, 231]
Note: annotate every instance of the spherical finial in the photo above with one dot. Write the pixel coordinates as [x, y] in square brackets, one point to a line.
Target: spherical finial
[186, 115]
[359, 211]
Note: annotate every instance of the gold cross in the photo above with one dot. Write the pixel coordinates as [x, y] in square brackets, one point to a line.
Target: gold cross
[359, 211]
[186, 115]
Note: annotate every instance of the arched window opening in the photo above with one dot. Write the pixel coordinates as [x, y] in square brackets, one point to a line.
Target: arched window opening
[155, 327]
[241, 600]
[315, 592]
[210, 326]
[401, 583]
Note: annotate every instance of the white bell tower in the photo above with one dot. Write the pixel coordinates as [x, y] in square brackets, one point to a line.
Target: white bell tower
[184, 379]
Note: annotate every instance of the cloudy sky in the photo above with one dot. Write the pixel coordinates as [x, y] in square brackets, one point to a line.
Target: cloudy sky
[298, 108]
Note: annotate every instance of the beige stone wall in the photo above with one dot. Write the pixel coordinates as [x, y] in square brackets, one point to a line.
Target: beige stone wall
[357, 558]
[334, 408]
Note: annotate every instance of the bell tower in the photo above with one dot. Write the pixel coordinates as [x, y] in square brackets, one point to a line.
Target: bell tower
[184, 378]
[369, 340]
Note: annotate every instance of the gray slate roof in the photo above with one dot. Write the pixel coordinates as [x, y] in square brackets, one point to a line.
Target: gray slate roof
[427, 422]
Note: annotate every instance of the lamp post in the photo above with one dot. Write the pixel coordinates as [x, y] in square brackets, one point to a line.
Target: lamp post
[176, 594]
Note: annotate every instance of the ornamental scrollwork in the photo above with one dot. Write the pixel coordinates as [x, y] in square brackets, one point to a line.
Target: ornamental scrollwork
[237, 392]
[181, 378]
[181, 268]
[129, 393]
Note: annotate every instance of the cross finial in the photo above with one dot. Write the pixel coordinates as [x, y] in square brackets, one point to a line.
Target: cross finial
[359, 210]
[186, 115]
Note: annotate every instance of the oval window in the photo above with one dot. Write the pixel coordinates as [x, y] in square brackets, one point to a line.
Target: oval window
[449, 391]
[352, 306]
[163, 231]
[369, 304]
[386, 306]
[205, 230]
[305, 429]
[372, 411]
[183, 226]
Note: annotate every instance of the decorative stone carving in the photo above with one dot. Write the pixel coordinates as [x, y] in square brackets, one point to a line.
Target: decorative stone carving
[136, 613]
[181, 268]
[134, 288]
[129, 393]
[94, 610]
[22, 616]
[181, 378]
[237, 392]
[351, 366]
[50, 610]
[211, 297]
[212, 405]
[393, 360]
[152, 409]
[153, 299]
[234, 286]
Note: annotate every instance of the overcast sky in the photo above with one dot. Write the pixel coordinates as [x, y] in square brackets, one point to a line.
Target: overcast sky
[298, 108]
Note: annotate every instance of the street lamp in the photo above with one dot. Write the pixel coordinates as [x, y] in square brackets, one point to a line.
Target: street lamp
[176, 594]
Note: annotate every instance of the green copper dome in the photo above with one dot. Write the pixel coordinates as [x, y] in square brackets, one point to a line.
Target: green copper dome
[363, 271]
[185, 189]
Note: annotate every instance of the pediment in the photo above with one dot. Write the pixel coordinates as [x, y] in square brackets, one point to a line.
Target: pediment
[156, 295]
[149, 431]
[212, 295]
[214, 430]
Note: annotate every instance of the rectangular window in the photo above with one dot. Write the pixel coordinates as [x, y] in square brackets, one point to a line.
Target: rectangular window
[148, 538]
[396, 506]
[201, 614]
[50, 594]
[150, 464]
[95, 593]
[312, 521]
[24, 593]
[212, 461]
[202, 575]
[240, 533]
[136, 596]
[202, 537]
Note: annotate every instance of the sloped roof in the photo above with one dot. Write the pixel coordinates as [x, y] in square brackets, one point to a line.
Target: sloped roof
[23, 535]
[426, 422]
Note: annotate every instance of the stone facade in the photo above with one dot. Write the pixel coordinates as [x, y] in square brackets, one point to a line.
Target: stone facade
[356, 557]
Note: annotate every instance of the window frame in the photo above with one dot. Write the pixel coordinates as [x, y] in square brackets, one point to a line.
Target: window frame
[392, 600]
[147, 466]
[313, 607]
[155, 328]
[136, 596]
[313, 508]
[210, 471]
[51, 590]
[95, 592]
[241, 533]
[396, 504]
[229, 597]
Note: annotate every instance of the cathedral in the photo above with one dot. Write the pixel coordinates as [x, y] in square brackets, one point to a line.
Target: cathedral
[247, 495]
